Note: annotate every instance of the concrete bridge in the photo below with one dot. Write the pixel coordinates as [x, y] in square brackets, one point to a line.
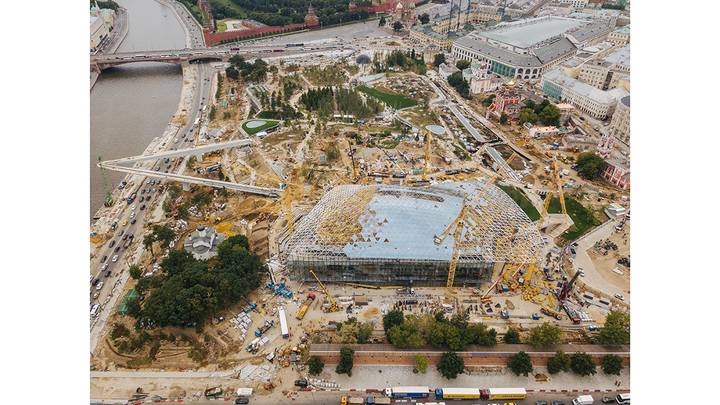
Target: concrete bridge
[104, 61]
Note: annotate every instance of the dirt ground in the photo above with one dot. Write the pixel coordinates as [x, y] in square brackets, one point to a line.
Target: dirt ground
[606, 264]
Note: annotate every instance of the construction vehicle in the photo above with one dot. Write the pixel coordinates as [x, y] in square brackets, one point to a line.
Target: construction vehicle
[269, 323]
[567, 287]
[549, 312]
[560, 188]
[333, 306]
[305, 306]
[213, 392]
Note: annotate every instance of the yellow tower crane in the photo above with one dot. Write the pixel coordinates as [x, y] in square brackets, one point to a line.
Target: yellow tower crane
[333, 305]
[456, 228]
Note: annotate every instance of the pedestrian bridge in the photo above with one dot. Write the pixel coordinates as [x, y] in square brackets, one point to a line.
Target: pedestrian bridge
[119, 165]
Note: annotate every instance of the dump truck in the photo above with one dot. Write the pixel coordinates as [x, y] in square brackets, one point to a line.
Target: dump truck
[305, 306]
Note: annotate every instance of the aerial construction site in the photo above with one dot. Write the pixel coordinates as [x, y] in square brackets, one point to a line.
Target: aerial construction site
[347, 195]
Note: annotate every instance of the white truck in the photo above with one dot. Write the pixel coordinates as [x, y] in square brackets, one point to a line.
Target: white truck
[583, 400]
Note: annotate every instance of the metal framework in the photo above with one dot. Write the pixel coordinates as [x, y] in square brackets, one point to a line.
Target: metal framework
[388, 234]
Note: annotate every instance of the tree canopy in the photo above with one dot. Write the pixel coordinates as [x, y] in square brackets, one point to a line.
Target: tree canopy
[419, 330]
[612, 364]
[424, 18]
[544, 336]
[512, 336]
[283, 12]
[439, 59]
[590, 165]
[616, 330]
[582, 364]
[459, 83]
[559, 362]
[192, 290]
[462, 64]
[520, 364]
[315, 365]
[346, 361]
[450, 365]
[397, 26]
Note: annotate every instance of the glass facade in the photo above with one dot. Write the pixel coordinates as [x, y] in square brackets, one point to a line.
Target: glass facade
[391, 272]
[551, 90]
[502, 70]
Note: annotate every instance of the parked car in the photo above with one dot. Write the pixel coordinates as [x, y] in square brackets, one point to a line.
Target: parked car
[99, 286]
[608, 400]
[142, 207]
[112, 243]
[301, 383]
[133, 221]
[108, 274]
[103, 259]
[115, 258]
[242, 400]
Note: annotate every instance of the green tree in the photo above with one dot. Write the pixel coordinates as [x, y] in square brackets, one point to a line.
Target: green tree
[550, 115]
[520, 364]
[392, 318]
[559, 362]
[450, 365]
[582, 364]
[545, 336]
[135, 271]
[527, 115]
[439, 59]
[148, 241]
[462, 64]
[397, 26]
[590, 165]
[346, 361]
[364, 332]
[232, 73]
[488, 100]
[315, 365]
[503, 118]
[459, 83]
[612, 364]
[424, 18]
[616, 330]
[382, 21]
[421, 363]
[512, 336]
[163, 234]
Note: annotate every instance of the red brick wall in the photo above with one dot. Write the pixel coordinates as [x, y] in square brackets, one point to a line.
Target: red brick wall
[214, 38]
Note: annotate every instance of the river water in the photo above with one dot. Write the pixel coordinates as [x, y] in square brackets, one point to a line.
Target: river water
[132, 104]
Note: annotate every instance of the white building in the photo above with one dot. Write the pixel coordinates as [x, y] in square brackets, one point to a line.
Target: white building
[203, 242]
[586, 98]
[620, 124]
[576, 4]
[620, 36]
[480, 80]
[446, 70]
[608, 72]
[526, 48]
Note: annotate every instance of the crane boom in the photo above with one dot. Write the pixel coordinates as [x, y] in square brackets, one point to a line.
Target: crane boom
[560, 187]
[333, 305]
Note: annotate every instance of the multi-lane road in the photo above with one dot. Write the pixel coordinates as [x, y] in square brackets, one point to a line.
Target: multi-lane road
[113, 285]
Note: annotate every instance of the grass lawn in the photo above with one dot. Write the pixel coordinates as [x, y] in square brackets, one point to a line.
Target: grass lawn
[395, 101]
[521, 200]
[583, 218]
[266, 125]
[235, 10]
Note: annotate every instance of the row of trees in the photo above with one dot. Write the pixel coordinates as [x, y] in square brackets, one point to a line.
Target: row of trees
[615, 331]
[191, 290]
[420, 330]
[283, 12]
[579, 363]
[326, 100]
[352, 331]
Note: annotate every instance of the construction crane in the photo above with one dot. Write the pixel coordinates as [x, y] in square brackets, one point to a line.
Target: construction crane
[456, 228]
[333, 305]
[567, 287]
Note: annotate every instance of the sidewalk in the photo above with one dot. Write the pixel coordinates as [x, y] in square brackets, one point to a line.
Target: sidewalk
[379, 377]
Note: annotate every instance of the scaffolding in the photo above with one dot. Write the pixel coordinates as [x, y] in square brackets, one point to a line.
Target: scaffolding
[387, 234]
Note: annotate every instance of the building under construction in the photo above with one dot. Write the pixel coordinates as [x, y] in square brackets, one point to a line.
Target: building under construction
[397, 235]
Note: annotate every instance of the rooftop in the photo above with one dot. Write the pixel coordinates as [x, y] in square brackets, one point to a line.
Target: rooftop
[529, 32]
[606, 97]
[400, 223]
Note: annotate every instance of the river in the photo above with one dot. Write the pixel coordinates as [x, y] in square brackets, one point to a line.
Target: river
[132, 104]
